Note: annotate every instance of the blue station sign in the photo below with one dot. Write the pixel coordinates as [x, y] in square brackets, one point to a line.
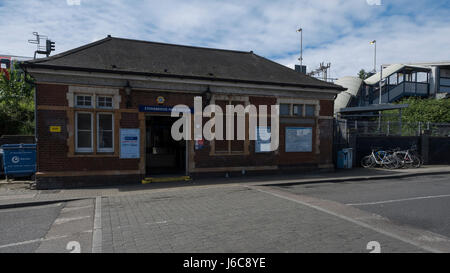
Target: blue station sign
[165, 109]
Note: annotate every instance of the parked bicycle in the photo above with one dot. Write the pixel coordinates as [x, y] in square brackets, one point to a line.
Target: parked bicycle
[393, 159]
[408, 158]
[382, 158]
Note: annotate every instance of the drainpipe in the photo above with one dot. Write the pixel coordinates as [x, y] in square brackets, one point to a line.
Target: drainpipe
[379, 99]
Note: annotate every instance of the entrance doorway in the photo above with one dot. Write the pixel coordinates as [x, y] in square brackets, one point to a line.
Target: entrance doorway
[164, 155]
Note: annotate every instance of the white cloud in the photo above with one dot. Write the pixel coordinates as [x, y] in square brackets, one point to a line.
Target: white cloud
[334, 31]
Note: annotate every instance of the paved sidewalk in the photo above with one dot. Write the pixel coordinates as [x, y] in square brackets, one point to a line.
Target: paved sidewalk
[234, 219]
[10, 196]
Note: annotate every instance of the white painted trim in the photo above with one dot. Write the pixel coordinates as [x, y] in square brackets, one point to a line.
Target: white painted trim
[293, 101]
[84, 95]
[104, 96]
[94, 92]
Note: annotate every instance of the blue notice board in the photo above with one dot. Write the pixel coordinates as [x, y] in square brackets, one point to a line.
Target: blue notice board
[130, 143]
[263, 141]
[298, 139]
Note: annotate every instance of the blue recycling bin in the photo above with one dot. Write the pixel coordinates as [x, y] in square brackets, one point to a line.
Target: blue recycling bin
[348, 164]
[2, 172]
[345, 158]
[19, 159]
[341, 160]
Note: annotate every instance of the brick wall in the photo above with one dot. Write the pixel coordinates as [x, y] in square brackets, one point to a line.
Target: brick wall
[53, 148]
[203, 159]
[129, 120]
[326, 108]
[51, 94]
[149, 98]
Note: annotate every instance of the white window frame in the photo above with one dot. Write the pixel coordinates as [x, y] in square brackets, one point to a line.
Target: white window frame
[104, 107]
[290, 109]
[314, 113]
[303, 105]
[84, 150]
[84, 106]
[105, 150]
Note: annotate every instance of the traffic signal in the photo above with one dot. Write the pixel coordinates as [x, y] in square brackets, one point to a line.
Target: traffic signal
[50, 46]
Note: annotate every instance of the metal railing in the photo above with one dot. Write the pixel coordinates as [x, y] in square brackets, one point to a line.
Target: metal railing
[390, 128]
[395, 92]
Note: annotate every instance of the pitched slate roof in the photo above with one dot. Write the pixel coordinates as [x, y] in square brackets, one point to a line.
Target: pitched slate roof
[118, 55]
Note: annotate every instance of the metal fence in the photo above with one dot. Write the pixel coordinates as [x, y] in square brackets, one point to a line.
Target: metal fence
[346, 128]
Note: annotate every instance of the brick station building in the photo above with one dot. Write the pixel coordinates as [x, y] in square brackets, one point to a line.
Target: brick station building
[103, 113]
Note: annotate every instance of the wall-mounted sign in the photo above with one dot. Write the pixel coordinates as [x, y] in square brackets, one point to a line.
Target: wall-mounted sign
[130, 143]
[262, 142]
[199, 144]
[298, 139]
[55, 129]
[160, 100]
[158, 108]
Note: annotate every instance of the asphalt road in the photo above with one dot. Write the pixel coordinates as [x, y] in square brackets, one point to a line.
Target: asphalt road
[422, 201]
[61, 227]
[21, 228]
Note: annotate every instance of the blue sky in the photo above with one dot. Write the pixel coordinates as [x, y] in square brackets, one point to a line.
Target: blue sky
[336, 31]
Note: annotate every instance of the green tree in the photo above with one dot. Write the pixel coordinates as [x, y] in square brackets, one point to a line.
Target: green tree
[426, 110]
[362, 74]
[419, 110]
[16, 103]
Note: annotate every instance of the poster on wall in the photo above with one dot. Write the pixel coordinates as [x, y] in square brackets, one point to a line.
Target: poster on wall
[298, 139]
[129, 143]
[262, 142]
[199, 144]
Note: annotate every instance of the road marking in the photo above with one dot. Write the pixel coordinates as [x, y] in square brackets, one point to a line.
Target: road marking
[399, 200]
[60, 221]
[157, 223]
[33, 241]
[422, 239]
[97, 235]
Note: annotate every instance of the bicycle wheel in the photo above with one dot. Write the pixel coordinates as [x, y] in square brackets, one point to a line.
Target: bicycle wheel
[391, 162]
[401, 160]
[368, 162]
[416, 162]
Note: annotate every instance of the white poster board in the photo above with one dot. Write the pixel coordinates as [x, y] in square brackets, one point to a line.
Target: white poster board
[262, 142]
[298, 139]
[130, 143]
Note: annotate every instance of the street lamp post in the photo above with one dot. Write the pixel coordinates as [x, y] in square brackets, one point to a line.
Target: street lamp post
[301, 46]
[374, 42]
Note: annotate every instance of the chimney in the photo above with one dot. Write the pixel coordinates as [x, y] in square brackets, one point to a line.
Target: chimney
[300, 68]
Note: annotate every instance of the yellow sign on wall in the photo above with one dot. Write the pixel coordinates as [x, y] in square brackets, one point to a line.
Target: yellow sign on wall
[55, 129]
